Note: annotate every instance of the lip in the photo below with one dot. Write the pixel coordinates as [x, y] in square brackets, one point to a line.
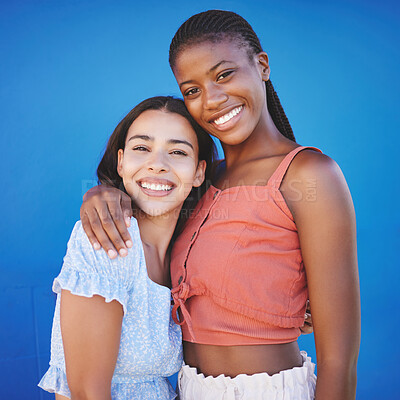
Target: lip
[229, 124]
[156, 181]
[226, 110]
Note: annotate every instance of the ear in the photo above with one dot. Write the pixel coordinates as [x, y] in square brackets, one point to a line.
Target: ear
[120, 159]
[263, 64]
[200, 174]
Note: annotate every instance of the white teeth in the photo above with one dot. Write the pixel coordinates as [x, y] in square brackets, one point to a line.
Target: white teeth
[153, 186]
[227, 117]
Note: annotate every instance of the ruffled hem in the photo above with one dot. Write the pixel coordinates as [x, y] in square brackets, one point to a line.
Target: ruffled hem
[55, 381]
[297, 383]
[88, 285]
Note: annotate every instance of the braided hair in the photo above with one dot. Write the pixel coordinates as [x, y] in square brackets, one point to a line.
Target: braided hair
[215, 26]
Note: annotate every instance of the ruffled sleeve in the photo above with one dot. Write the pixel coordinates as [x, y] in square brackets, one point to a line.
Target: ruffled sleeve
[55, 381]
[88, 272]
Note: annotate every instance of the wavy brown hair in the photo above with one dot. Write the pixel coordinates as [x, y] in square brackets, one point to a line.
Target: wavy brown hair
[107, 170]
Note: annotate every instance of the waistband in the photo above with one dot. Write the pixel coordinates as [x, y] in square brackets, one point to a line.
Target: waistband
[262, 382]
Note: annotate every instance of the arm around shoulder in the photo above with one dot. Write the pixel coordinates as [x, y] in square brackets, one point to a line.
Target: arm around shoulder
[326, 225]
[105, 215]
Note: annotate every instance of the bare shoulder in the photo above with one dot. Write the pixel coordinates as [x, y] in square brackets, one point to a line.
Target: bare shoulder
[310, 162]
[317, 177]
[311, 165]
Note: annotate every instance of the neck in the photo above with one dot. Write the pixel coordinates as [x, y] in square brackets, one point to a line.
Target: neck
[156, 231]
[263, 142]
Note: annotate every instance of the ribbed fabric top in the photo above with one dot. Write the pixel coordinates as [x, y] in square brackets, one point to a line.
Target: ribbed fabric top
[237, 271]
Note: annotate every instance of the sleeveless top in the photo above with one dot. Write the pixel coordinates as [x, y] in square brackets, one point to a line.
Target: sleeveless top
[237, 272]
[151, 343]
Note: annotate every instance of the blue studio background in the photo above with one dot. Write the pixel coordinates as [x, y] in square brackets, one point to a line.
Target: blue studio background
[70, 70]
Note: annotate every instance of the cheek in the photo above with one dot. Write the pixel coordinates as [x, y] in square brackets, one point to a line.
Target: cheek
[128, 167]
[195, 109]
[253, 93]
[187, 173]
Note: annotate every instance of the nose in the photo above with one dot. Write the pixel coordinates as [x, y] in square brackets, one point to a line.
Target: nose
[157, 162]
[214, 96]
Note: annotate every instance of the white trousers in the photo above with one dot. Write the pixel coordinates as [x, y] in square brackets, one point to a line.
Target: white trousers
[297, 383]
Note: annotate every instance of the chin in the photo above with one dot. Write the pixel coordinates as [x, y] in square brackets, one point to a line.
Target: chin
[234, 140]
[159, 212]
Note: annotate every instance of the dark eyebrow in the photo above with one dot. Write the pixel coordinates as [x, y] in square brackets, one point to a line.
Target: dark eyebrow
[210, 70]
[143, 137]
[218, 64]
[177, 141]
[151, 139]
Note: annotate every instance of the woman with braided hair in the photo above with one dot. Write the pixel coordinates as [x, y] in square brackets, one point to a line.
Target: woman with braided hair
[275, 228]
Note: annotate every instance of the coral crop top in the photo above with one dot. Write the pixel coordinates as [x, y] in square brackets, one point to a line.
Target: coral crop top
[237, 271]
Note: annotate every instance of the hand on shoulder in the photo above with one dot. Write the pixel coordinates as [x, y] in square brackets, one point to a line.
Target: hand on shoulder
[105, 215]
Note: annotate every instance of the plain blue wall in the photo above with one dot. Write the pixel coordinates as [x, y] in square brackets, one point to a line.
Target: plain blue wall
[70, 70]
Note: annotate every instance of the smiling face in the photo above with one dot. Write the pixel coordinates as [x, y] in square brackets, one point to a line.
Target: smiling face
[159, 164]
[223, 89]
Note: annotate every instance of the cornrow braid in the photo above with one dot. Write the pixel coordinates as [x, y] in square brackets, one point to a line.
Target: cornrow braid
[215, 26]
[277, 114]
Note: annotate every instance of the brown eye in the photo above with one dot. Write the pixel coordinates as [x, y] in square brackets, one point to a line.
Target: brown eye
[140, 148]
[224, 75]
[191, 92]
[178, 153]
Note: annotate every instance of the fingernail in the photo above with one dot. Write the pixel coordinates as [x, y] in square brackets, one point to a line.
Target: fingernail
[123, 252]
[305, 316]
[96, 246]
[127, 222]
[112, 253]
[128, 243]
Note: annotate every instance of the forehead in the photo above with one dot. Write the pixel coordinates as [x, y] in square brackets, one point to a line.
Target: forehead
[205, 55]
[162, 125]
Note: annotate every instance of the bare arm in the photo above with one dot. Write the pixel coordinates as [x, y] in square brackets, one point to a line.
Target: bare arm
[105, 216]
[326, 225]
[91, 332]
[60, 397]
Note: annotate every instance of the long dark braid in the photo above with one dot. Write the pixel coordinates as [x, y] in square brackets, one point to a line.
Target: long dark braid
[216, 25]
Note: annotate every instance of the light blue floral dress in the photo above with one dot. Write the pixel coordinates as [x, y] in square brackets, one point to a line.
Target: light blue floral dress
[151, 343]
